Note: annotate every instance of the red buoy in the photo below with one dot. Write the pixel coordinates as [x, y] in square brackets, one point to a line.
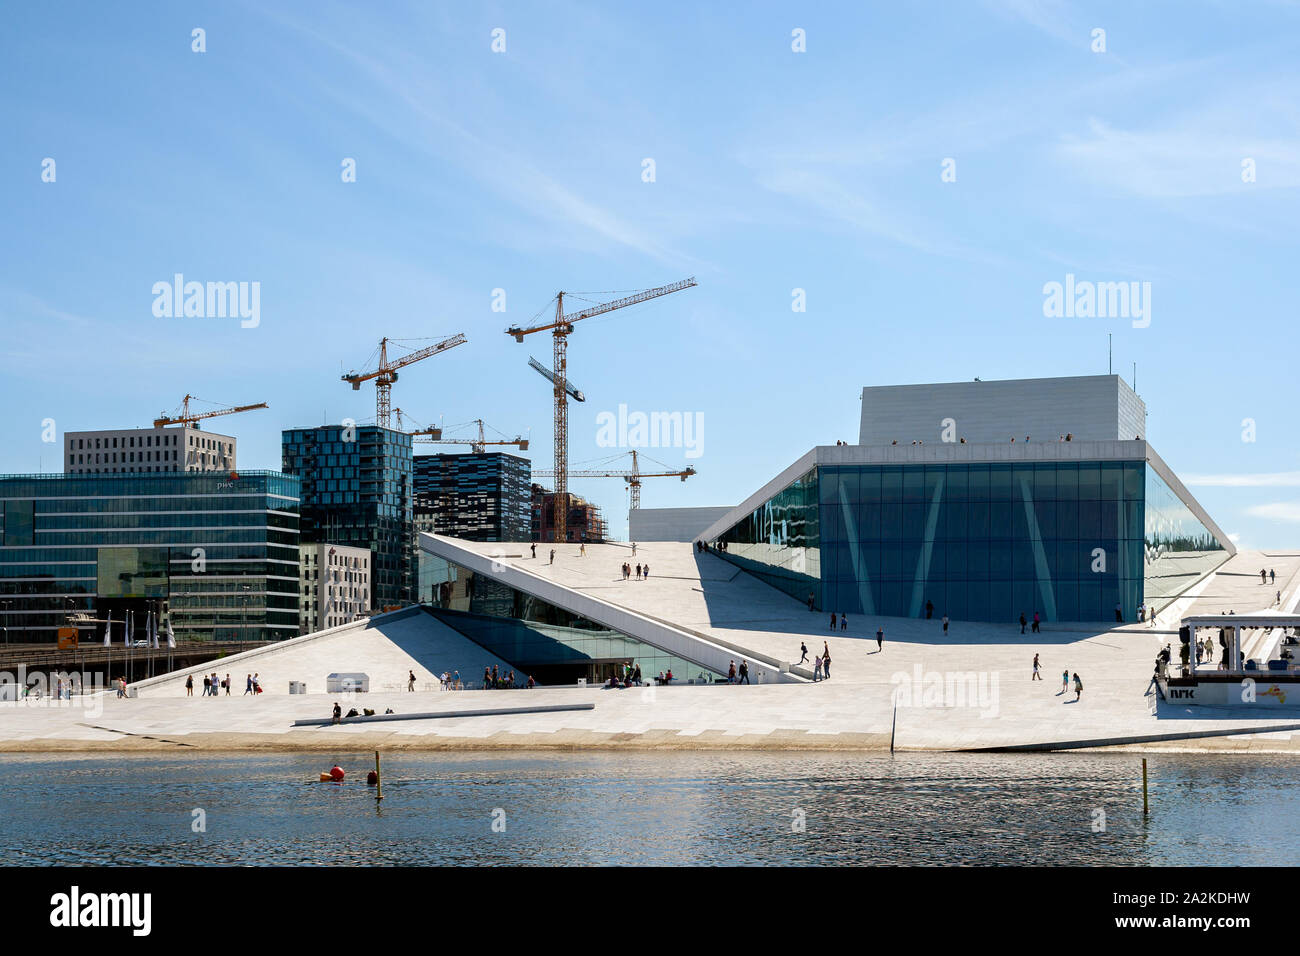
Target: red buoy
[372, 778]
[336, 773]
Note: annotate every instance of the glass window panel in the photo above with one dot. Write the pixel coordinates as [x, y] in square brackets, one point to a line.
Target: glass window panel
[1112, 480]
[978, 483]
[1089, 481]
[954, 488]
[999, 483]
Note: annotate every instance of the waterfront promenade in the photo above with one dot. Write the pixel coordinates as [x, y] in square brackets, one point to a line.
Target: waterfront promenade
[997, 705]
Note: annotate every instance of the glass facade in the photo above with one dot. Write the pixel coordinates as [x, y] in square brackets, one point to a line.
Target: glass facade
[780, 542]
[553, 645]
[479, 497]
[1178, 550]
[217, 552]
[1069, 540]
[357, 492]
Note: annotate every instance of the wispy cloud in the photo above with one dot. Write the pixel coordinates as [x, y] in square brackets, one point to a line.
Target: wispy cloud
[1276, 511]
[1267, 479]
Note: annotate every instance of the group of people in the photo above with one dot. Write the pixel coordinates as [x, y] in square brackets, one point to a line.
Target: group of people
[738, 675]
[1065, 679]
[625, 675]
[702, 546]
[1023, 622]
[642, 570]
[213, 685]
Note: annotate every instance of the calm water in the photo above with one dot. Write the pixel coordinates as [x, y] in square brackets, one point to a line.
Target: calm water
[675, 808]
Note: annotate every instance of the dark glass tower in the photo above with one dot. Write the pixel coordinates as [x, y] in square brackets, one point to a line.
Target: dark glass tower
[357, 491]
[482, 497]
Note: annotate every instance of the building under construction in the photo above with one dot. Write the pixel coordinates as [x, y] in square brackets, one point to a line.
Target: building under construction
[584, 520]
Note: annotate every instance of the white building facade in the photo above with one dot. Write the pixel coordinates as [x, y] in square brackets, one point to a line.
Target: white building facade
[135, 450]
[334, 586]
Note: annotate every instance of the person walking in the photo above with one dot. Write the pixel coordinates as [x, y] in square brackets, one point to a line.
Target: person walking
[634, 549]
[1037, 676]
[832, 620]
[1272, 577]
[638, 572]
[1023, 622]
[410, 681]
[826, 661]
[645, 571]
[226, 685]
[945, 625]
[744, 672]
[248, 685]
[817, 669]
[731, 672]
[810, 601]
[582, 550]
[1078, 687]
[1034, 628]
[207, 685]
[533, 548]
[929, 610]
[189, 686]
[1065, 680]
[844, 622]
[803, 652]
[1119, 613]
[880, 638]
[552, 555]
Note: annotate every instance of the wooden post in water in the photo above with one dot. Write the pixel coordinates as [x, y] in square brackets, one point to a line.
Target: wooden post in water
[1146, 809]
[379, 780]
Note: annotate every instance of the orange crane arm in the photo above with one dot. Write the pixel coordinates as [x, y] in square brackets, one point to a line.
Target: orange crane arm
[683, 475]
[633, 299]
[386, 367]
[185, 416]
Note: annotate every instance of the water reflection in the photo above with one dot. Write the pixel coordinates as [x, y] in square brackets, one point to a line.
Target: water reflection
[639, 808]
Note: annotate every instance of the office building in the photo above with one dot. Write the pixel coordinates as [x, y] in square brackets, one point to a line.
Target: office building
[479, 497]
[218, 554]
[335, 586]
[357, 492]
[147, 450]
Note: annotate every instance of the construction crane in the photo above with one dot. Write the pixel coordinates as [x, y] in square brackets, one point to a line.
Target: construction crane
[479, 445]
[186, 417]
[560, 330]
[633, 477]
[547, 374]
[432, 433]
[385, 374]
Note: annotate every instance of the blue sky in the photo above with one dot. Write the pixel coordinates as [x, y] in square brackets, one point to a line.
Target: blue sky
[774, 171]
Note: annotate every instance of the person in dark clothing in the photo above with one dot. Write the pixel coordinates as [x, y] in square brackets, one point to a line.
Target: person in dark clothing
[1023, 622]
[929, 610]
[744, 673]
[803, 652]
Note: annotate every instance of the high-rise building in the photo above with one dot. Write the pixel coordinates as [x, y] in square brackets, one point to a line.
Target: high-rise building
[218, 554]
[357, 492]
[586, 523]
[479, 497]
[148, 450]
[335, 586]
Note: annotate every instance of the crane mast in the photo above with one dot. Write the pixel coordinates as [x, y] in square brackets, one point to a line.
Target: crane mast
[560, 330]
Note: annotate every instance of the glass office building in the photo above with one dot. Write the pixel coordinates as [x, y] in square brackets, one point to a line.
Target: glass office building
[216, 553]
[357, 491]
[478, 497]
[1065, 537]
